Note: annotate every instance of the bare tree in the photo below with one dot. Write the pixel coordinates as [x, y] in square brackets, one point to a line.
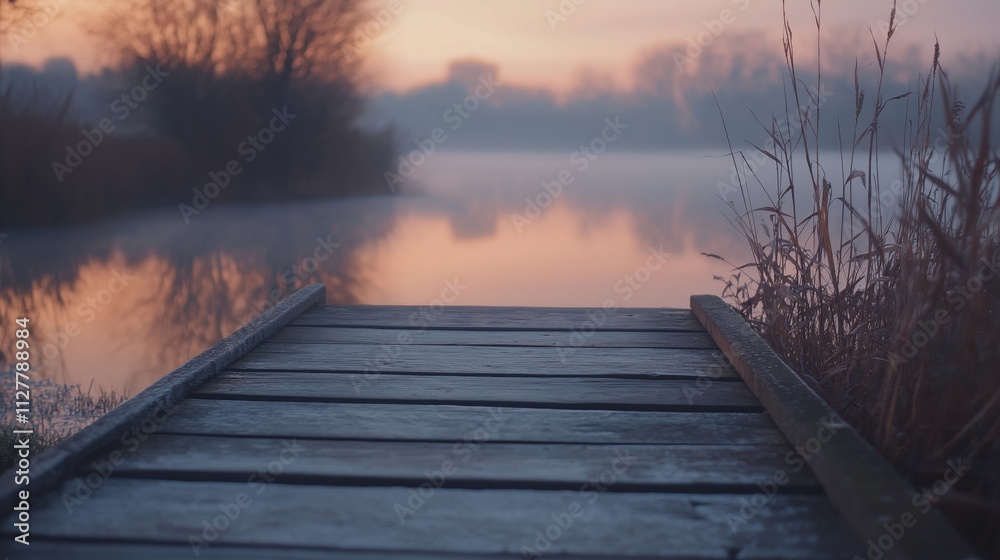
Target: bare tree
[12, 13]
[302, 38]
[182, 34]
[279, 40]
[231, 62]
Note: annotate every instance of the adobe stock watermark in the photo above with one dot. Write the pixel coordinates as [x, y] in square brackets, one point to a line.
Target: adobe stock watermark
[922, 502]
[379, 21]
[626, 287]
[713, 29]
[562, 12]
[891, 197]
[121, 107]
[958, 297]
[87, 311]
[796, 460]
[904, 11]
[28, 28]
[462, 451]
[790, 124]
[103, 468]
[299, 272]
[455, 116]
[579, 159]
[590, 492]
[250, 148]
[230, 511]
[716, 370]
[422, 319]
[363, 33]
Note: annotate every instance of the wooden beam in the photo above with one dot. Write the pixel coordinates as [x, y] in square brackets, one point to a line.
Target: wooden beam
[100, 549]
[658, 363]
[583, 393]
[859, 483]
[567, 319]
[687, 469]
[455, 337]
[451, 424]
[457, 521]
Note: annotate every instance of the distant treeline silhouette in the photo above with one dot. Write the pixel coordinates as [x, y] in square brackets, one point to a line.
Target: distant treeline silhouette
[209, 101]
[673, 99]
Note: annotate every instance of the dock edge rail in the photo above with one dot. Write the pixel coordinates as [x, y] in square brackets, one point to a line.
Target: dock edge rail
[862, 486]
[63, 459]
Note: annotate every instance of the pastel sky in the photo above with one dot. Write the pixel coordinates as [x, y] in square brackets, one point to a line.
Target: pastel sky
[532, 47]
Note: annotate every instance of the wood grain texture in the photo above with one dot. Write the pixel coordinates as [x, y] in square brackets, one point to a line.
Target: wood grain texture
[647, 468]
[502, 318]
[455, 423]
[540, 392]
[48, 468]
[486, 360]
[861, 485]
[527, 427]
[441, 337]
[452, 520]
[97, 550]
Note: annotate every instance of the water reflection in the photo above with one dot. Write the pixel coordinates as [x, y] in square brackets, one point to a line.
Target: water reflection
[124, 303]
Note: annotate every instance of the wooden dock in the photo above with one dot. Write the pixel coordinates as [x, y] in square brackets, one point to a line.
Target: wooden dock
[460, 433]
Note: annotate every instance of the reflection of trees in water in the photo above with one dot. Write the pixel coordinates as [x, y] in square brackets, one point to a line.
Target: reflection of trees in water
[37, 269]
[255, 258]
[210, 277]
[671, 201]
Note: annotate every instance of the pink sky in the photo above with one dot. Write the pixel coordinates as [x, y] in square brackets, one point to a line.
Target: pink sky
[534, 47]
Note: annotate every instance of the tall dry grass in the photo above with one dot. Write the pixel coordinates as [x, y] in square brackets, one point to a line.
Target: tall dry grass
[37, 128]
[885, 296]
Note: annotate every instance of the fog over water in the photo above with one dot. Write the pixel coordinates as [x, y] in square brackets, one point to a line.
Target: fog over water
[124, 302]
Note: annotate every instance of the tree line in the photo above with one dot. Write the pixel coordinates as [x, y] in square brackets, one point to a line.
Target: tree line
[196, 85]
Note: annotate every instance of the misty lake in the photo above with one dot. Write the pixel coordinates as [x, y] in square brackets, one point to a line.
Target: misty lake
[121, 304]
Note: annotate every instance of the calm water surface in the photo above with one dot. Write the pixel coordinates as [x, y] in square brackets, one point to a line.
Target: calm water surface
[122, 304]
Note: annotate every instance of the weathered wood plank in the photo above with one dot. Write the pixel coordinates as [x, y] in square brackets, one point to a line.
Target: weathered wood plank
[861, 485]
[647, 468]
[451, 520]
[48, 468]
[83, 550]
[541, 392]
[442, 337]
[80, 550]
[503, 318]
[487, 360]
[454, 423]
